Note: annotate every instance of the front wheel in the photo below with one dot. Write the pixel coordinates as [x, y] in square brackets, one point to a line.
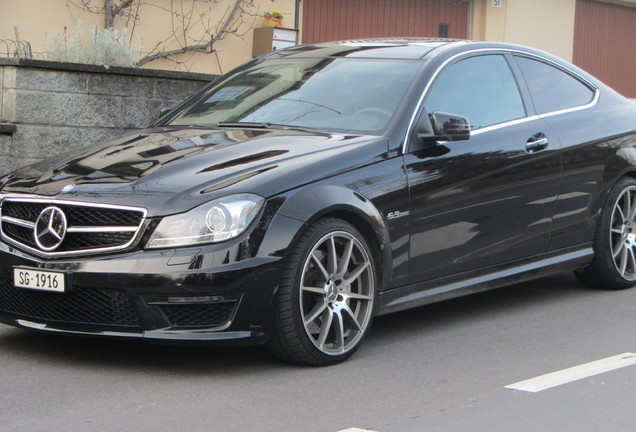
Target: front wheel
[326, 295]
[614, 263]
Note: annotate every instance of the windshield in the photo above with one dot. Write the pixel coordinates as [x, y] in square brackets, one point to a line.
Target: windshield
[325, 93]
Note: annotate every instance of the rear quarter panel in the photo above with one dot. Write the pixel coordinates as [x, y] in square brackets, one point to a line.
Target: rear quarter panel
[599, 146]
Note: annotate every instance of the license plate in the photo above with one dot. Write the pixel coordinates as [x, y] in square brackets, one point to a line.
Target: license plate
[39, 280]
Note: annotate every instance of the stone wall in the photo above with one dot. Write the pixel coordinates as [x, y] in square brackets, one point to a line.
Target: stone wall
[47, 107]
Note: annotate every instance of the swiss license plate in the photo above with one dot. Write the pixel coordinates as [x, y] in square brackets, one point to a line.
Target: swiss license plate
[39, 280]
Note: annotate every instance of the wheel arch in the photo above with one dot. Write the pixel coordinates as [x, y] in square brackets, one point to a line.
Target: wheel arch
[622, 166]
[610, 241]
[631, 173]
[313, 203]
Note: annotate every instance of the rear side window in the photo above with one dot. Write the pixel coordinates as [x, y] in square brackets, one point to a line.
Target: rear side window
[480, 88]
[553, 89]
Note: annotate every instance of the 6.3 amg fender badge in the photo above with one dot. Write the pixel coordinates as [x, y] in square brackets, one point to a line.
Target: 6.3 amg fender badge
[396, 214]
[50, 229]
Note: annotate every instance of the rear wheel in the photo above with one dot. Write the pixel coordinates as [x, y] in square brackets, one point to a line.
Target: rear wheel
[326, 296]
[614, 263]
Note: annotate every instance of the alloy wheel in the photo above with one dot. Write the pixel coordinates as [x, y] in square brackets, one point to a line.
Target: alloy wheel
[623, 234]
[336, 293]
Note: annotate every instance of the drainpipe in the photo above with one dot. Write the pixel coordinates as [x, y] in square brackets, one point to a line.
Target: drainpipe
[471, 17]
[296, 17]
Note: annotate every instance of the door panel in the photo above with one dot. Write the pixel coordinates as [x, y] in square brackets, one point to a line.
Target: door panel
[481, 202]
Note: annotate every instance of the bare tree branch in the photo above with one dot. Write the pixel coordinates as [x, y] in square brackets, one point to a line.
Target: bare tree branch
[228, 25]
[205, 48]
[121, 6]
[183, 19]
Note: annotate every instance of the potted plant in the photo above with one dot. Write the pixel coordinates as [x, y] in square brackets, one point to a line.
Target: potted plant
[273, 19]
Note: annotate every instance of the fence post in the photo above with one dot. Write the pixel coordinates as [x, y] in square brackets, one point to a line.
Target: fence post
[18, 42]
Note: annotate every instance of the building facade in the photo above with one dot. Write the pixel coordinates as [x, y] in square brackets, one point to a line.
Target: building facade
[598, 35]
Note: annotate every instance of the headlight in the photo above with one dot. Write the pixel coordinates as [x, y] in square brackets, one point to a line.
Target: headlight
[218, 220]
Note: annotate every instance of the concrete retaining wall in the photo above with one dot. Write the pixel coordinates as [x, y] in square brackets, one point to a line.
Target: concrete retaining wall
[47, 107]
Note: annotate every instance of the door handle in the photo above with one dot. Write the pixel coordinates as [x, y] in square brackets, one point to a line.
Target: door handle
[536, 143]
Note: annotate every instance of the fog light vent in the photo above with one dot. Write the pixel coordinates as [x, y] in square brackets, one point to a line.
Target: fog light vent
[199, 315]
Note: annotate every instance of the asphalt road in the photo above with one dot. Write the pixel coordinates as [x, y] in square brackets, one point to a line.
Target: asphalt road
[442, 367]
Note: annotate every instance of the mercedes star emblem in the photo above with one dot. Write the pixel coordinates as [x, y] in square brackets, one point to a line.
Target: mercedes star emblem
[50, 229]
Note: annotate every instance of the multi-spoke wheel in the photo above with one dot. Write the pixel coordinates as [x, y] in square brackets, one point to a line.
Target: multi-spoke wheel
[326, 296]
[614, 263]
[623, 234]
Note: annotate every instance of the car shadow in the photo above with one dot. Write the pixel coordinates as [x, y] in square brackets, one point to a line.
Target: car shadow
[129, 354]
[506, 300]
[135, 356]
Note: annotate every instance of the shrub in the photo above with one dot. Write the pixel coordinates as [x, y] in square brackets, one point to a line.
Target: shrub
[103, 47]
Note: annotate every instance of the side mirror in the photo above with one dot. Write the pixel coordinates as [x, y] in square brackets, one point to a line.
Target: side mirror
[165, 110]
[450, 127]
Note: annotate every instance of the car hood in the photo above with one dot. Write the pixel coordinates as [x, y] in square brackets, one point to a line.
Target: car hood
[169, 171]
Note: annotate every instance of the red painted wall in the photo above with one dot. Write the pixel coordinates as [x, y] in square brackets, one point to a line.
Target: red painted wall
[327, 20]
[605, 43]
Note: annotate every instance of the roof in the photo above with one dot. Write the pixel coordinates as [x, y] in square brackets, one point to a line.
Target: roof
[413, 49]
[388, 48]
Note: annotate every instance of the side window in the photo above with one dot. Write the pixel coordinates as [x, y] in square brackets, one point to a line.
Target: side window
[553, 89]
[480, 88]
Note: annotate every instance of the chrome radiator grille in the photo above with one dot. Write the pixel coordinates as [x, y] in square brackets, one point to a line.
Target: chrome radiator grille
[54, 227]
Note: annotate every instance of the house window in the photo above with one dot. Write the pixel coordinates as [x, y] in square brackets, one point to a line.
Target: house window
[443, 30]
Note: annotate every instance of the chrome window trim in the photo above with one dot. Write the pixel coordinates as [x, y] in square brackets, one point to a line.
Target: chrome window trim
[536, 117]
[41, 200]
[504, 124]
[594, 101]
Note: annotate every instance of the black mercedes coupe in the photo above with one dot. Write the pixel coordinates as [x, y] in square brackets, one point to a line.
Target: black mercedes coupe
[295, 198]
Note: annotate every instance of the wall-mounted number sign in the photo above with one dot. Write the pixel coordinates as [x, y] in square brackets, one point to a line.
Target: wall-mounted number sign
[497, 3]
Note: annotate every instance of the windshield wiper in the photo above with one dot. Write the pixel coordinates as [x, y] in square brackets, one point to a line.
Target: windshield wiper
[264, 125]
[244, 125]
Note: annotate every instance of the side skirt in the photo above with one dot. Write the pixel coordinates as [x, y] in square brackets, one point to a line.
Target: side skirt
[423, 293]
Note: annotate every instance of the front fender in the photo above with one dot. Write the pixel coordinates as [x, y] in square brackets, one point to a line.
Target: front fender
[311, 203]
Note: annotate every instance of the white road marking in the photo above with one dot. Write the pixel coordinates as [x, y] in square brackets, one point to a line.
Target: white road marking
[575, 373]
[355, 430]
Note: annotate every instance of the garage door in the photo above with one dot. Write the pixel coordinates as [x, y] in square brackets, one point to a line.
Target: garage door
[604, 36]
[326, 20]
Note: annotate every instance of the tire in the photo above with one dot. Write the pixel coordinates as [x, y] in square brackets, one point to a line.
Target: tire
[614, 264]
[326, 298]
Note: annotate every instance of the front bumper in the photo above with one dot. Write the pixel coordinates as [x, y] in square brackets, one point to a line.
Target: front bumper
[216, 294]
